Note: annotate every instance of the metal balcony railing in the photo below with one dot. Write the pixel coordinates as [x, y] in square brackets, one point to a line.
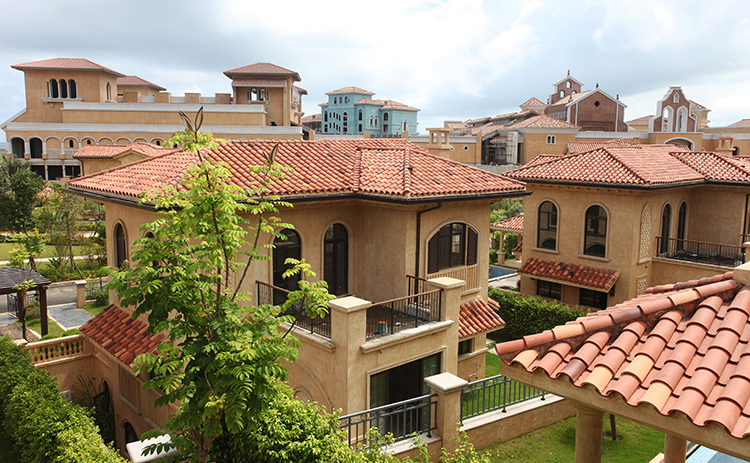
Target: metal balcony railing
[269, 294]
[495, 393]
[400, 419]
[399, 314]
[724, 255]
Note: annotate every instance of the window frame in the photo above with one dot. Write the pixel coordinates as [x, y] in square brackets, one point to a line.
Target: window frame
[549, 289]
[548, 228]
[453, 245]
[592, 234]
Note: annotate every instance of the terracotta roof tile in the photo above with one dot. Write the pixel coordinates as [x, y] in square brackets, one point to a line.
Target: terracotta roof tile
[641, 120]
[112, 151]
[69, 64]
[350, 89]
[533, 101]
[135, 81]
[741, 123]
[262, 69]
[690, 358]
[477, 316]
[120, 335]
[513, 223]
[237, 81]
[601, 279]
[379, 167]
[575, 147]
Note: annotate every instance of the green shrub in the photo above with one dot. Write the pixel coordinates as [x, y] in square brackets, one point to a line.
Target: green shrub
[525, 315]
[100, 296]
[44, 426]
[493, 256]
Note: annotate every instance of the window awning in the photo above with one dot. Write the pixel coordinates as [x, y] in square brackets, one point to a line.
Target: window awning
[580, 275]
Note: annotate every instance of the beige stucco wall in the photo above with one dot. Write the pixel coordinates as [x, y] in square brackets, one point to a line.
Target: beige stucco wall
[535, 144]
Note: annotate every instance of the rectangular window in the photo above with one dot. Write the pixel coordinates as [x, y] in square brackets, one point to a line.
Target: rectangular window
[591, 298]
[549, 289]
[464, 347]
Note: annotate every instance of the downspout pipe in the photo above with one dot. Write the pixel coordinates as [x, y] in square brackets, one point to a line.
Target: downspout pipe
[419, 233]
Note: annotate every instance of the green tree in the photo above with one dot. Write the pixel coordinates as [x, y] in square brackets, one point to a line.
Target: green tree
[505, 209]
[32, 245]
[19, 189]
[64, 214]
[222, 360]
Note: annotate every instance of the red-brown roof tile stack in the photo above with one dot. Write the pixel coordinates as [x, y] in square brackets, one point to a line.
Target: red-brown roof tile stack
[741, 123]
[533, 101]
[513, 223]
[116, 331]
[112, 151]
[682, 348]
[599, 278]
[581, 146]
[639, 165]
[380, 167]
[477, 316]
[135, 81]
[262, 69]
[68, 64]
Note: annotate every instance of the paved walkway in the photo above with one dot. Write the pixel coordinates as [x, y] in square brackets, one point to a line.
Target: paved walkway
[63, 309]
[68, 316]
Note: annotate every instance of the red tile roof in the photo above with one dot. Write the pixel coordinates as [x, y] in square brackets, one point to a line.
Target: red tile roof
[533, 101]
[544, 122]
[68, 64]
[684, 349]
[135, 81]
[371, 167]
[640, 120]
[477, 316]
[112, 151]
[513, 223]
[598, 278]
[581, 146]
[641, 165]
[120, 335]
[262, 69]
[350, 90]
[742, 123]
[694, 105]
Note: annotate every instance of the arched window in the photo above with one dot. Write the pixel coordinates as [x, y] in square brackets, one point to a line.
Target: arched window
[666, 219]
[595, 239]
[130, 434]
[336, 259]
[18, 147]
[359, 115]
[283, 249]
[109, 92]
[547, 227]
[666, 117]
[263, 95]
[682, 226]
[52, 89]
[551, 139]
[63, 88]
[35, 148]
[404, 125]
[70, 144]
[325, 116]
[335, 100]
[386, 118]
[73, 88]
[454, 245]
[120, 246]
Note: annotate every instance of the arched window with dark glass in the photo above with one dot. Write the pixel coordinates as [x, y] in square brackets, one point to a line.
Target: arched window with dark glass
[454, 245]
[120, 246]
[595, 239]
[283, 249]
[682, 226]
[336, 259]
[53, 89]
[130, 434]
[73, 88]
[63, 88]
[36, 148]
[18, 147]
[666, 222]
[547, 231]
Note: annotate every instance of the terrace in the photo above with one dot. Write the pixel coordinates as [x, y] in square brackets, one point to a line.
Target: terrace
[723, 255]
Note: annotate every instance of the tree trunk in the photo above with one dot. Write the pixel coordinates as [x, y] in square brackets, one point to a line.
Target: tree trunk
[22, 311]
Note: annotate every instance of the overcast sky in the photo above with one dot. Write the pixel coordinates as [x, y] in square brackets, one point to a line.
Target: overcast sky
[454, 59]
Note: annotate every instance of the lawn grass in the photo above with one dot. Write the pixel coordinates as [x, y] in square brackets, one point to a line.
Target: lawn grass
[93, 308]
[491, 365]
[5, 248]
[556, 443]
[34, 323]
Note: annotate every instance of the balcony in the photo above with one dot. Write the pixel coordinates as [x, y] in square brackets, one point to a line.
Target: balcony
[269, 294]
[723, 255]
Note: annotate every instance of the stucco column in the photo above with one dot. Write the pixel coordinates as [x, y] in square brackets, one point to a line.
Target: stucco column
[448, 389]
[348, 332]
[80, 292]
[501, 249]
[746, 245]
[674, 449]
[43, 317]
[450, 308]
[589, 429]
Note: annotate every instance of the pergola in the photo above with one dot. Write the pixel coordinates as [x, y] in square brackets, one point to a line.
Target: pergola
[512, 225]
[10, 277]
[676, 359]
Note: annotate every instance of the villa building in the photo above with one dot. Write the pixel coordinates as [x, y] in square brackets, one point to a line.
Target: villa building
[603, 225]
[351, 110]
[401, 237]
[73, 103]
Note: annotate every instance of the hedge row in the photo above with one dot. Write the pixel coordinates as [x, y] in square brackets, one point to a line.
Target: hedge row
[44, 426]
[524, 315]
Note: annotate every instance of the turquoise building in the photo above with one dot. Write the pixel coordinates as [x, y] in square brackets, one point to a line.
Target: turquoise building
[351, 110]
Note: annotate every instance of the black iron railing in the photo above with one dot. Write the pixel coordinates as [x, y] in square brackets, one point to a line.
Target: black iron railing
[495, 393]
[407, 312]
[400, 419]
[12, 300]
[725, 255]
[269, 294]
[416, 285]
[94, 286]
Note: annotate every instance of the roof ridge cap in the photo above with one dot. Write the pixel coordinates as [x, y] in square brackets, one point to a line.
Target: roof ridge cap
[407, 172]
[623, 164]
[357, 169]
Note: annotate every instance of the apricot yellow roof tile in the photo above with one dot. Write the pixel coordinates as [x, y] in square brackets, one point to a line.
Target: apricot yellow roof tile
[392, 168]
[477, 316]
[691, 359]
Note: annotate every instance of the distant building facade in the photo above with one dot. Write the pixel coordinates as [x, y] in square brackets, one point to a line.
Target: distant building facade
[352, 110]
